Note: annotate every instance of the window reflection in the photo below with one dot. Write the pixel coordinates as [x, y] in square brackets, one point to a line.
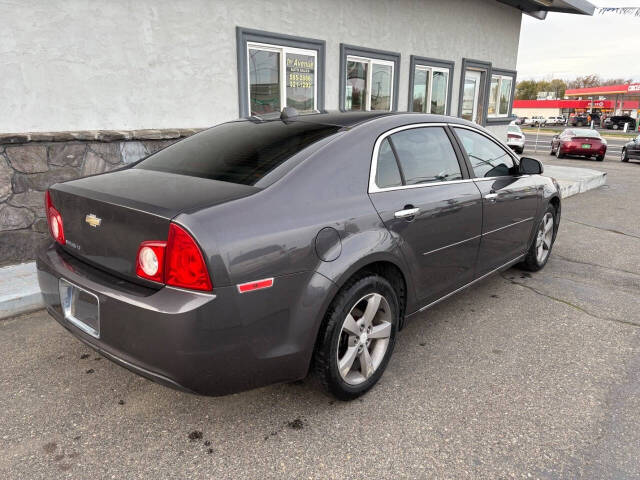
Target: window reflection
[356, 94]
[381, 87]
[264, 81]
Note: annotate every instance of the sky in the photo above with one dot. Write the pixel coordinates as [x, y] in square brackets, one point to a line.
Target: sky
[567, 46]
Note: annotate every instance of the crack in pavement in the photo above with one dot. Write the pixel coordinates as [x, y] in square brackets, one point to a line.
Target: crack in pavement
[570, 260]
[572, 305]
[631, 235]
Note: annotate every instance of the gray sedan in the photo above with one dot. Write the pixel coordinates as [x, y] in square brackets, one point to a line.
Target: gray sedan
[262, 248]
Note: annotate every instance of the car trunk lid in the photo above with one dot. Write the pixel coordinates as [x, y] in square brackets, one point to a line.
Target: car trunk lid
[106, 217]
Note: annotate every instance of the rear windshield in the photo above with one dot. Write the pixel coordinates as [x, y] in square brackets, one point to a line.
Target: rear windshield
[586, 133]
[238, 152]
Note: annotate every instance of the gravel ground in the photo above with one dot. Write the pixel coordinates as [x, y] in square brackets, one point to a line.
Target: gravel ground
[523, 376]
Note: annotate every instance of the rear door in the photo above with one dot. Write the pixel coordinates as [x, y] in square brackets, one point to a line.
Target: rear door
[510, 200]
[420, 186]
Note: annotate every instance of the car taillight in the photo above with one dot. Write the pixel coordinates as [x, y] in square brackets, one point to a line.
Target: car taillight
[150, 262]
[178, 262]
[54, 219]
[513, 135]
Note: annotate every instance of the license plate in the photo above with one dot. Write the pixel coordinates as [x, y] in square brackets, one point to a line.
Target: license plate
[80, 307]
[586, 145]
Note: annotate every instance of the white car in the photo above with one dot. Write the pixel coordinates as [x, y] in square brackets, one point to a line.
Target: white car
[536, 121]
[555, 121]
[515, 138]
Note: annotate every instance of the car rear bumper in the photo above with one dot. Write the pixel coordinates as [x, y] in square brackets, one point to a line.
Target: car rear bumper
[211, 344]
[515, 142]
[578, 150]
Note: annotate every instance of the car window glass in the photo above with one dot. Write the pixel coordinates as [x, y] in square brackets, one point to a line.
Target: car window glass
[486, 157]
[387, 173]
[426, 155]
[238, 152]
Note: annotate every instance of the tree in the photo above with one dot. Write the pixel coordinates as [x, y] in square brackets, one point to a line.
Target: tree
[526, 90]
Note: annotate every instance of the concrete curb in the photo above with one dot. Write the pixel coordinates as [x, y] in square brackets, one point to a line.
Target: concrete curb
[575, 180]
[19, 290]
[20, 293]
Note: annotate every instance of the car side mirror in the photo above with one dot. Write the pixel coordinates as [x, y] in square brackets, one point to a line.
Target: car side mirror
[556, 136]
[530, 166]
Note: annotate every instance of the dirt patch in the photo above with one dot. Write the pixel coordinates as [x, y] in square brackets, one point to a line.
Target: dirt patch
[195, 435]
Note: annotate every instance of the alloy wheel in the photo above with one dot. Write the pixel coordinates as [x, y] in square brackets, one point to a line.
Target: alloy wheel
[364, 338]
[544, 238]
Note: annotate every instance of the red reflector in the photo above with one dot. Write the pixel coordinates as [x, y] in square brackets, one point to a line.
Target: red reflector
[257, 285]
[185, 266]
[54, 219]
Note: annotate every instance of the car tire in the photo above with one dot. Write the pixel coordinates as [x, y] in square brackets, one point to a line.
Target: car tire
[559, 153]
[341, 339]
[624, 156]
[580, 124]
[540, 249]
[600, 158]
[519, 151]
[552, 152]
[615, 126]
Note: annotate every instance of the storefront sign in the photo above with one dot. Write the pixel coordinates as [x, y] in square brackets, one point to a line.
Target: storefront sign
[300, 74]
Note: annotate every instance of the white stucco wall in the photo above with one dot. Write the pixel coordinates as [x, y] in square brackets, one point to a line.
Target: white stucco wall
[120, 64]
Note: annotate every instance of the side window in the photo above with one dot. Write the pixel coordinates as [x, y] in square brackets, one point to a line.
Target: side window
[387, 173]
[486, 157]
[426, 155]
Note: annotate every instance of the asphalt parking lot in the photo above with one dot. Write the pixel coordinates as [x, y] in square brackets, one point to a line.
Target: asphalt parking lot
[524, 375]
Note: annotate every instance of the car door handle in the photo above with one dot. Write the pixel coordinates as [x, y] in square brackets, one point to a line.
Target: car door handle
[407, 212]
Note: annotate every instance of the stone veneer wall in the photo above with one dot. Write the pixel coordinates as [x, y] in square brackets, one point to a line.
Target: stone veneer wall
[30, 163]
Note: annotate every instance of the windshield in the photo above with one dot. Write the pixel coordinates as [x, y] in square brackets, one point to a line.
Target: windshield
[585, 132]
[514, 128]
[238, 152]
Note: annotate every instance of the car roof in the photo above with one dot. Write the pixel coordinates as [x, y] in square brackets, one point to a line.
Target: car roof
[351, 118]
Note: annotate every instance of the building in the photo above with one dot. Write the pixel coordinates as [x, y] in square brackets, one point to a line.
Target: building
[89, 86]
[566, 108]
[618, 99]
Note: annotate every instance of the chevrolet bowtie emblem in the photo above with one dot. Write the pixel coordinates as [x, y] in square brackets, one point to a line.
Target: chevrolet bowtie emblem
[92, 220]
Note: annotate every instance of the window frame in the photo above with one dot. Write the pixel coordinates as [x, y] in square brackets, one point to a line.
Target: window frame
[283, 51]
[246, 36]
[472, 174]
[489, 71]
[500, 77]
[462, 161]
[371, 56]
[433, 64]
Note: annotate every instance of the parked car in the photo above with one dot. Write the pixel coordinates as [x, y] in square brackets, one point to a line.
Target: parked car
[520, 121]
[631, 151]
[580, 120]
[537, 121]
[617, 122]
[252, 251]
[579, 142]
[555, 121]
[515, 138]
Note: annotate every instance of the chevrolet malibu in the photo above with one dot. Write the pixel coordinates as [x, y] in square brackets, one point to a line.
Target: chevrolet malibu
[260, 249]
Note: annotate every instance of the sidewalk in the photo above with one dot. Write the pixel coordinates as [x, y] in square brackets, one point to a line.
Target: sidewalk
[19, 291]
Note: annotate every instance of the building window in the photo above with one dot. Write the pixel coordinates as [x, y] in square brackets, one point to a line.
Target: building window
[485, 102]
[499, 96]
[368, 79]
[281, 77]
[430, 85]
[277, 71]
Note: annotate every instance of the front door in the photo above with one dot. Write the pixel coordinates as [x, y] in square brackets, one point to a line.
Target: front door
[510, 200]
[429, 205]
[634, 149]
[471, 95]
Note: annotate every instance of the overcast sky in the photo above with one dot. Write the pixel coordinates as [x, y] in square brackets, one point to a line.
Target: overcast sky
[567, 46]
